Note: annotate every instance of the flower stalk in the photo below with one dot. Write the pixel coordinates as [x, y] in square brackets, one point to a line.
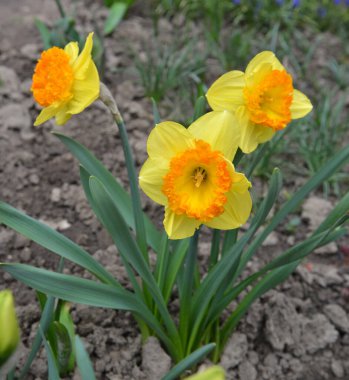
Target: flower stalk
[106, 97]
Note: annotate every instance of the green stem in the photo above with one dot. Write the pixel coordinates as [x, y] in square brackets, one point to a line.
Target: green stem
[60, 8]
[109, 101]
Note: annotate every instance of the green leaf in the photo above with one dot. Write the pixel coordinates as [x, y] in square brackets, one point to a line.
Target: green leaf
[85, 180]
[117, 193]
[73, 289]
[53, 241]
[62, 347]
[116, 14]
[83, 361]
[200, 107]
[66, 319]
[176, 261]
[221, 275]
[341, 209]
[44, 33]
[156, 113]
[53, 373]
[116, 226]
[79, 290]
[189, 361]
[269, 281]
[45, 320]
[322, 175]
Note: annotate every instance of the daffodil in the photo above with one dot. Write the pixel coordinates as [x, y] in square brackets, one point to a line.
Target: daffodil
[262, 98]
[9, 330]
[190, 172]
[65, 82]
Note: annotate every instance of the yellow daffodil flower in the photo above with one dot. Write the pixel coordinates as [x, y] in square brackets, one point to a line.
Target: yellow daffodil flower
[262, 98]
[189, 171]
[64, 82]
[9, 330]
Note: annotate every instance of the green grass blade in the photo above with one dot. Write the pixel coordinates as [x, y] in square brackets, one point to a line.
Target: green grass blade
[83, 361]
[52, 240]
[117, 193]
[189, 362]
[324, 173]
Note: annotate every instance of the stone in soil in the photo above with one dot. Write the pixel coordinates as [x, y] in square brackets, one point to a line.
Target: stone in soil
[155, 362]
[235, 351]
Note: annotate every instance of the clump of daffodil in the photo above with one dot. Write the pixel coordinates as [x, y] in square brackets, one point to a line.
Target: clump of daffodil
[65, 82]
[189, 171]
[9, 330]
[262, 98]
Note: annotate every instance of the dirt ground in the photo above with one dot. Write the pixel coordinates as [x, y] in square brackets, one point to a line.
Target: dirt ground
[298, 332]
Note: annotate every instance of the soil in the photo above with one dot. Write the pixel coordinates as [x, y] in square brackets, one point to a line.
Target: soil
[300, 331]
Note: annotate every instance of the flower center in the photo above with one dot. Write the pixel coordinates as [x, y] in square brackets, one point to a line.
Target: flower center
[199, 175]
[53, 77]
[269, 101]
[197, 182]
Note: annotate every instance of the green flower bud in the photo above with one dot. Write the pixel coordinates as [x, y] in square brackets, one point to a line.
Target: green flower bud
[9, 330]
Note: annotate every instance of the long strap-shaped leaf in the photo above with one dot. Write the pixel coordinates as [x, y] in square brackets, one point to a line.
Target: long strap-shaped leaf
[218, 274]
[85, 179]
[79, 290]
[53, 241]
[295, 253]
[324, 173]
[113, 187]
[120, 233]
[83, 360]
[269, 281]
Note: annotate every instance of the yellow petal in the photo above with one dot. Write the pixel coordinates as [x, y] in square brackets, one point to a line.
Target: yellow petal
[220, 129]
[236, 211]
[168, 139]
[151, 179]
[300, 106]
[82, 63]
[63, 116]
[226, 93]
[240, 183]
[46, 114]
[262, 58]
[251, 134]
[257, 76]
[72, 49]
[85, 91]
[179, 226]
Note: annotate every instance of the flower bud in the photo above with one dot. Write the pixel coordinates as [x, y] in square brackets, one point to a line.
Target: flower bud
[9, 330]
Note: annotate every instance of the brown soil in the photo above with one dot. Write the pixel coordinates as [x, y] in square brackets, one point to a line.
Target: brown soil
[299, 331]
